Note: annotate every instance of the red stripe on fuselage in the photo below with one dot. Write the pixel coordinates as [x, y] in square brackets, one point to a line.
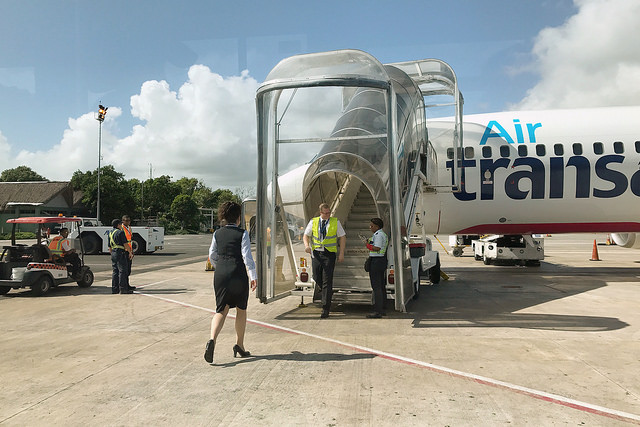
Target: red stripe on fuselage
[548, 228]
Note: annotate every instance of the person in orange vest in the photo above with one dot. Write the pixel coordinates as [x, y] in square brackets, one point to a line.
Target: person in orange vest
[126, 227]
[61, 247]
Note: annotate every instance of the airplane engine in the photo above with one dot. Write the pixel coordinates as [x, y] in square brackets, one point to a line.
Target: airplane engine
[627, 240]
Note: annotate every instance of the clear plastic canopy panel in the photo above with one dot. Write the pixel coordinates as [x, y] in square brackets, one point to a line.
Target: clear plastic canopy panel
[317, 143]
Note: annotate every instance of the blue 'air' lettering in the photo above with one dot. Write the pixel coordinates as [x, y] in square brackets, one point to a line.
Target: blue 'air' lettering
[501, 132]
[535, 177]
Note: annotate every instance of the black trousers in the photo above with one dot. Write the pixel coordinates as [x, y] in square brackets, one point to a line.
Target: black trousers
[120, 274]
[74, 260]
[378, 283]
[323, 264]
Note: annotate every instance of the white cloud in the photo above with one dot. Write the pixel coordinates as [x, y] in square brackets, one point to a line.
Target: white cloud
[592, 60]
[206, 130]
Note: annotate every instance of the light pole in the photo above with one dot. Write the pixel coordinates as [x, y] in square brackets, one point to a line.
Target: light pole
[102, 111]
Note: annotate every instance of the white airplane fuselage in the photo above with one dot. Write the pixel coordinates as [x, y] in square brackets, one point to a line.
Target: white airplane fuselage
[562, 171]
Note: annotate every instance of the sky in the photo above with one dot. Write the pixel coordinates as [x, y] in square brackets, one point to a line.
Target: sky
[180, 77]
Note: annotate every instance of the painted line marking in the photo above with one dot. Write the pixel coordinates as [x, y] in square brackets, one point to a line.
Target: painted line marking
[155, 283]
[537, 394]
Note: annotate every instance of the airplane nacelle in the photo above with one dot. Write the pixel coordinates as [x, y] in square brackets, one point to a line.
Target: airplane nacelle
[626, 240]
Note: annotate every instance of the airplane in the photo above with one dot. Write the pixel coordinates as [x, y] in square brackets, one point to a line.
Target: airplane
[538, 172]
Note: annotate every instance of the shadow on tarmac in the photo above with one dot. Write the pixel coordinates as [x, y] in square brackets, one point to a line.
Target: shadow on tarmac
[479, 297]
[297, 356]
[487, 299]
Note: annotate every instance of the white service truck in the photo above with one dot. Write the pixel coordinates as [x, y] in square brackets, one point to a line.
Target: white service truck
[95, 237]
[521, 249]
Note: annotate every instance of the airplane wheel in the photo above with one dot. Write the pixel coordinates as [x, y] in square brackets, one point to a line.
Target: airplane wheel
[87, 279]
[457, 252]
[42, 285]
[4, 290]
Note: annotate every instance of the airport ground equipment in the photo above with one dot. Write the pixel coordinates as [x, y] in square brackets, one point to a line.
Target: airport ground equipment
[520, 249]
[459, 242]
[341, 128]
[95, 238]
[24, 266]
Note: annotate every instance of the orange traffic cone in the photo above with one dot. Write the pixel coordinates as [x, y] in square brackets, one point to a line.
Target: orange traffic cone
[608, 243]
[594, 253]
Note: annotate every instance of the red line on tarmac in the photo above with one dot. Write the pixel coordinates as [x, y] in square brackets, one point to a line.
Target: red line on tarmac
[536, 394]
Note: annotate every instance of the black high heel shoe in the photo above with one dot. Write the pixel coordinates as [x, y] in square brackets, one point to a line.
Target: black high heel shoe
[237, 349]
[208, 352]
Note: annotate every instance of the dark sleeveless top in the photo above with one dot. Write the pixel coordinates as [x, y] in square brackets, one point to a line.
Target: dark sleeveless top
[230, 280]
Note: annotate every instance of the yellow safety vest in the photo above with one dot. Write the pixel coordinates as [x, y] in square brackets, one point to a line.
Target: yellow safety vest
[56, 246]
[330, 241]
[112, 242]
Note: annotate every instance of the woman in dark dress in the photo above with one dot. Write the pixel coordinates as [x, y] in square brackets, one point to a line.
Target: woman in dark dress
[230, 253]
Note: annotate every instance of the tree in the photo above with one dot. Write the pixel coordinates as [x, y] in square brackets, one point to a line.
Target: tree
[222, 195]
[116, 198]
[159, 194]
[20, 174]
[185, 212]
[189, 185]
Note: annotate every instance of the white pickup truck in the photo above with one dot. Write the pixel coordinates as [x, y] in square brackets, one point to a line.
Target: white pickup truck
[95, 237]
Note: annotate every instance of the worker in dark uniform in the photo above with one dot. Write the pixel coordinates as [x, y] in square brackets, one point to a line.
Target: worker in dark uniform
[120, 253]
[377, 246]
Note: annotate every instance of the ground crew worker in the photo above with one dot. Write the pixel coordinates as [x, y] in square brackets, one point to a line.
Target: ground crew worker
[377, 246]
[61, 247]
[126, 227]
[324, 232]
[120, 251]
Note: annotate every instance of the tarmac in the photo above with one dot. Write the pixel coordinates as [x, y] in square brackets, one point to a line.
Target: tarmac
[552, 345]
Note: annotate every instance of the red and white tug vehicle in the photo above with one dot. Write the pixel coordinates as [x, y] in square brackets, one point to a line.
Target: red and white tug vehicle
[33, 266]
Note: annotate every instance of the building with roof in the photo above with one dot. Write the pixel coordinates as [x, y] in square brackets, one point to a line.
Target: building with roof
[38, 198]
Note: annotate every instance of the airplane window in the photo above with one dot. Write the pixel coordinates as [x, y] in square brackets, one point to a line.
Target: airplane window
[504, 151]
[618, 147]
[468, 152]
[541, 150]
[577, 149]
[486, 150]
[558, 149]
[449, 153]
[637, 146]
[522, 150]
[598, 148]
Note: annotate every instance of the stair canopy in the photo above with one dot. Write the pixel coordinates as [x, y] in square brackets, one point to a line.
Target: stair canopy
[328, 124]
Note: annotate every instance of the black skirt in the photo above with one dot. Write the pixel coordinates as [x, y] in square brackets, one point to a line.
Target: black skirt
[231, 284]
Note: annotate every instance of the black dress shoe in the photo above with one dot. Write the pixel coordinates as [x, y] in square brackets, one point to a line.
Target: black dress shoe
[208, 352]
[374, 316]
[115, 291]
[237, 349]
[324, 314]
[126, 292]
[133, 288]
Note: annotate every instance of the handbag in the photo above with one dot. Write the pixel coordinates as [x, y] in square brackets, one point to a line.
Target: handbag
[367, 264]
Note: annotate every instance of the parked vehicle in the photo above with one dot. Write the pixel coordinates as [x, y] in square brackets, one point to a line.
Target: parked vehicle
[520, 249]
[24, 266]
[95, 237]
